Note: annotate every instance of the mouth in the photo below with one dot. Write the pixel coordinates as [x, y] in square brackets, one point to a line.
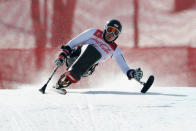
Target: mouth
[110, 35]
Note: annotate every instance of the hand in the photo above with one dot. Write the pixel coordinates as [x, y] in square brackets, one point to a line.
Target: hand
[136, 74]
[60, 61]
[66, 49]
[63, 55]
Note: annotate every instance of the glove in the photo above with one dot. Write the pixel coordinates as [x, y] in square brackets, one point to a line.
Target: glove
[60, 61]
[63, 55]
[67, 50]
[136, 74]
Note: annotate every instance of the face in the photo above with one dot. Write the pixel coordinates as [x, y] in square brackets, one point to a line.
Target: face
[111, 33]
[109, 36]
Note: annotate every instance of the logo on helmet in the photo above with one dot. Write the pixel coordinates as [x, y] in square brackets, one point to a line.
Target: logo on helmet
[116, 25]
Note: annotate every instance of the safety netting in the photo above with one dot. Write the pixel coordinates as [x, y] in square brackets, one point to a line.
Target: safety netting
[158, 35]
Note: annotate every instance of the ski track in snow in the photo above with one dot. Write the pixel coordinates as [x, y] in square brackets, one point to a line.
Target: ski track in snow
[106, 108]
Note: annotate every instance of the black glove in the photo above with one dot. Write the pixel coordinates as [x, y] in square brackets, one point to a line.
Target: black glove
[136, 74]
[67, 50]
[63, 55]
[60, 61]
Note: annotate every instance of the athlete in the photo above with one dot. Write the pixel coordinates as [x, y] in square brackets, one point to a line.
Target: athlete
[83, 53]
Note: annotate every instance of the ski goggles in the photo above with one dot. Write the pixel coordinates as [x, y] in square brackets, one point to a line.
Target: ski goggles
[112, 30]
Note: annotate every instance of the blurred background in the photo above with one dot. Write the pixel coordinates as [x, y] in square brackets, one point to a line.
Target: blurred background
[158, 36]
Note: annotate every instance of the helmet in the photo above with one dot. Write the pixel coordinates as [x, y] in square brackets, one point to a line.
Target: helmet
[115, 24]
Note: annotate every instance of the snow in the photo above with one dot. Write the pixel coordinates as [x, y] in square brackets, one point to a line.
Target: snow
[110, 107]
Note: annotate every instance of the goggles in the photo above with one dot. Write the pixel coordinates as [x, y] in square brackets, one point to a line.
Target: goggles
[113, 30]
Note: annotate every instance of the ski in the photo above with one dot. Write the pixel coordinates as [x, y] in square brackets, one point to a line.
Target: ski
[61, 91]
[148, 84]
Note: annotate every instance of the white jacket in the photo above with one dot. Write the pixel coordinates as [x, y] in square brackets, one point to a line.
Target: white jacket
[94, 38]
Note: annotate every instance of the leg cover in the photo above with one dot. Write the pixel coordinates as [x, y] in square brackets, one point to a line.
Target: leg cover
[71, 77]
[85, 61]
[63, 81]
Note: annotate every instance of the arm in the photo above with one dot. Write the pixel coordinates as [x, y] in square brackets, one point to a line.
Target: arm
[119, 58]
[131, 73]
[67, 49]
[81, 38]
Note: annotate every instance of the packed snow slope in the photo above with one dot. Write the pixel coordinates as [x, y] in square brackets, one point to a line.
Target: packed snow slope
[110, 107]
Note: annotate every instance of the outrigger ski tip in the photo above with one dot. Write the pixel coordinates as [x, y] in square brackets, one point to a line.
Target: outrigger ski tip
[148, 84]
[42, 90]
